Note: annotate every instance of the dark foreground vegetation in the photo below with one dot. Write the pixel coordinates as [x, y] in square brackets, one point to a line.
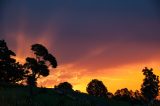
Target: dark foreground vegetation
[18, 85]
[17, 95]
[14, 95]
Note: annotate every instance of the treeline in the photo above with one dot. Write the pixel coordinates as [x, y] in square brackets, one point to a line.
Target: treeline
[147, 94]
[13, 72]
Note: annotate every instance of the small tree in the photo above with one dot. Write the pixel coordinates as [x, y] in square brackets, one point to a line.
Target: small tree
[39, 66]
[97, 88]
[150, 87]
[10, 70]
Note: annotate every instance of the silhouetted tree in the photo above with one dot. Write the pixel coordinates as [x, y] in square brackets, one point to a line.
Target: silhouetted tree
[110, 95]
[64, 86]
[39, 66]
[128, 96]
[123, 95]
[10, 70]
[150, 87]
[78, 91]
[97, 88]
[137, 98]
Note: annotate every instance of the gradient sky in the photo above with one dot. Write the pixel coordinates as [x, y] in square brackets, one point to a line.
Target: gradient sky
[111, 40]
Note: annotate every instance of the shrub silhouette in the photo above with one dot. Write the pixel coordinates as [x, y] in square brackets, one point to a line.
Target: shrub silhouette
[150, 87]
[137, 98]
[123, 94]
[110, 95]
[10, 70]
[39, 66]
[128, 96]
[97, 88]
[64, 86]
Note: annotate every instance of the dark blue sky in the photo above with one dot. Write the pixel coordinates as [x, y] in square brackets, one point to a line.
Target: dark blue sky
[82, 31]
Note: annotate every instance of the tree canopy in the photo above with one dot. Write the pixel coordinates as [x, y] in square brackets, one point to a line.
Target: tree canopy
[97, 88]
[150, 87]
[64, 86]
[39, 65]
[10, 70]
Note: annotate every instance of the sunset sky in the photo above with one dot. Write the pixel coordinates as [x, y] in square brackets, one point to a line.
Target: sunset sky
[110, 40]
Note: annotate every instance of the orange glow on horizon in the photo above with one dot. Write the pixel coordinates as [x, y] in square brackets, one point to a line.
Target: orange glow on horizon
[129, 76]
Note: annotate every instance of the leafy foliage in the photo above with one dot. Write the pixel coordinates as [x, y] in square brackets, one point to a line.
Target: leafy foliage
[39, 66]
[10, 70]
[39, 50]
[97, 88]
[150, 87]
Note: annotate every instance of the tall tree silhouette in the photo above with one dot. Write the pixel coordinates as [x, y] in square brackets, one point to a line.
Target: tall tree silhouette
[39, 65]
[150, 87]
[97, 88]
[10, 70]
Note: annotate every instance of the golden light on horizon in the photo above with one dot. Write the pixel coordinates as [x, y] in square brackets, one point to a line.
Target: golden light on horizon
[128, 75]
